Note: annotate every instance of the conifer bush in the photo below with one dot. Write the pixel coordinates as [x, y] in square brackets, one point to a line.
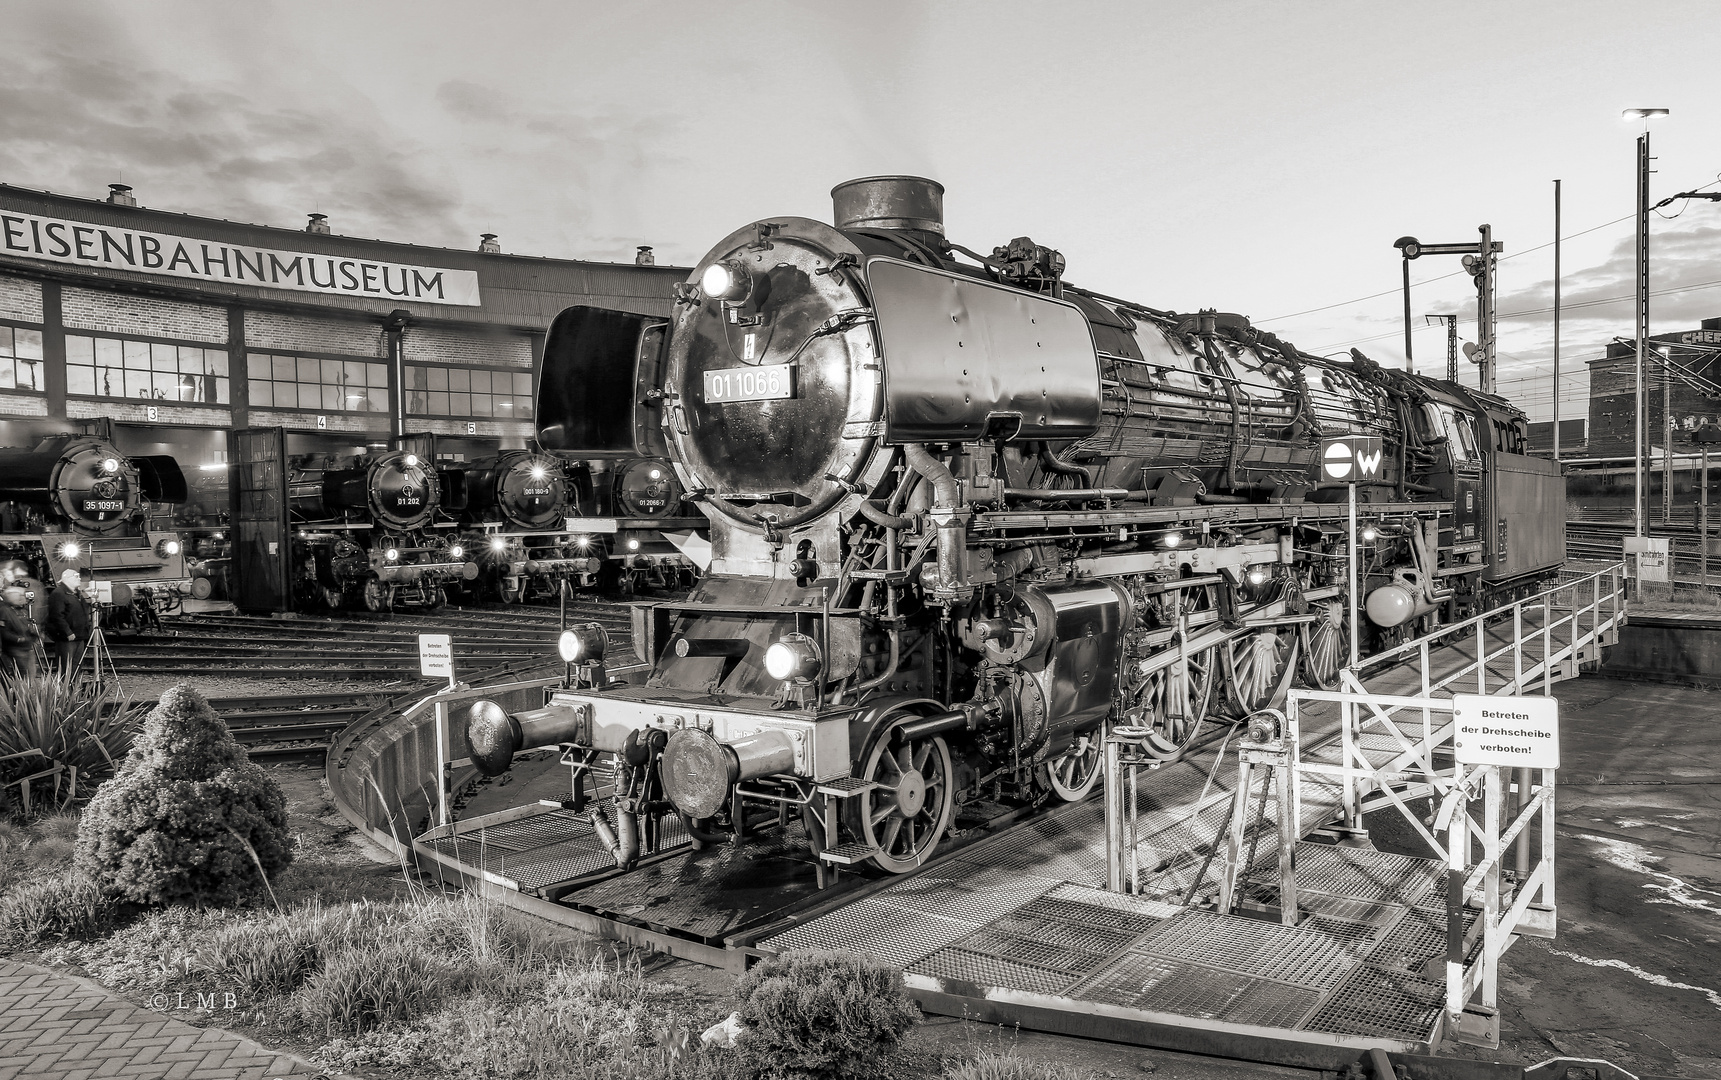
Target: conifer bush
[817, 1015]
[188, 817]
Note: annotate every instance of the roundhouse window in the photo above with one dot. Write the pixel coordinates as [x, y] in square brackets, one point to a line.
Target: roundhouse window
[21, 359]
[479, 393]
[110, 367]
[317, 384]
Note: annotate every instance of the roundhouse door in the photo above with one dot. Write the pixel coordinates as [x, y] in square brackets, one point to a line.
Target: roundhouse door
[257, 475]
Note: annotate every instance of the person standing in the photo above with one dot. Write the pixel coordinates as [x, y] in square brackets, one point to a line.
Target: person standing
[18, 635]
[68, 621]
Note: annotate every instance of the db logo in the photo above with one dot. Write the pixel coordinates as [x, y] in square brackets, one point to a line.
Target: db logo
[1351, 458]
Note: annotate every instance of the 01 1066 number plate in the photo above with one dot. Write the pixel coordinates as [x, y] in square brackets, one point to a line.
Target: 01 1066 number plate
[749, 383]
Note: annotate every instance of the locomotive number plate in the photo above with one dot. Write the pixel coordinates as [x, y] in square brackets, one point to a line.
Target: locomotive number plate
[749, 383]
[101, 506]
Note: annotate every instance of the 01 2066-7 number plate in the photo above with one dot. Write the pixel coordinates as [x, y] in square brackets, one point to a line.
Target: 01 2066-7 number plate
[750, 383]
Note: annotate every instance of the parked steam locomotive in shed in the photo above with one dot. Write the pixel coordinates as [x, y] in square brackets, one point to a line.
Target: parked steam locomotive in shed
[964, 514]
[515, 526]
[366, 532]
[75, 502]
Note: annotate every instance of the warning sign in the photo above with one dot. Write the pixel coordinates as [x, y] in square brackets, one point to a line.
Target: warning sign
[436, 656]
[1654, 557]
[1520, 732]
[1351, 458]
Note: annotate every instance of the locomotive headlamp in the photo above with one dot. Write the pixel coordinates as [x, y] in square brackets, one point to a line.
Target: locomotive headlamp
[633, 545]
[1370, 534]
[539, 472]
[583, 541]
[579, 644]
[166, 548]
[729, 281]
[1259, 575]
[70, 549]
[498, 544]
[455, 551]
[657, 474]
[794, 657]
[412, 461]
[110, 465]
[392, 554]
[1172, 539]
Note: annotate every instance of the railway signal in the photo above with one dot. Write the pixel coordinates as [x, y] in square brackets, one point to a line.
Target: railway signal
[1480, 260]
[1349, 459]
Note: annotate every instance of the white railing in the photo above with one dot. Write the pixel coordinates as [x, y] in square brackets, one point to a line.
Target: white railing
[1552, 634]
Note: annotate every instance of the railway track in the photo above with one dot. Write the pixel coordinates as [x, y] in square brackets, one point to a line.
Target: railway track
[353, 646]
[1604, 540]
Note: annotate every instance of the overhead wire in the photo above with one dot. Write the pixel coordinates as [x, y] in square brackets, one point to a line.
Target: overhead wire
[1503, 258]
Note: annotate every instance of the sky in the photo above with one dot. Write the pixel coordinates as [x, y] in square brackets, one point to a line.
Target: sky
[1256, 157]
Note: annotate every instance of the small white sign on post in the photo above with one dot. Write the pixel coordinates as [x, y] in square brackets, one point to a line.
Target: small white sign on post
[1654, 557]
[436, 656]
[1518, 732]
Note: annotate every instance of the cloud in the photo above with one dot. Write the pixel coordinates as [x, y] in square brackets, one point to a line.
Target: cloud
[75, 121]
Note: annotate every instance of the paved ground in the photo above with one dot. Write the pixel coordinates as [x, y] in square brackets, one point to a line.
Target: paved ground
[56, 1027]
[1635, 973]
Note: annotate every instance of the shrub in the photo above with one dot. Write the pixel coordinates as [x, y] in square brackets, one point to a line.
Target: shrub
[361, 988]
[59, 905]
[815, 1015]
[188, 817]
[74, 722]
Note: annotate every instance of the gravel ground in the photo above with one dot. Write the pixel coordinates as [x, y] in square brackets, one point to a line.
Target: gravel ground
[151, 687]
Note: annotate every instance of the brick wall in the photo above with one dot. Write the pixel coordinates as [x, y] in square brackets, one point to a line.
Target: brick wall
[23, 405]
[128, 412]
[297, 333]
[20, 299]
[358, 422]
[145, 316]
[485, 428]
[435, 344]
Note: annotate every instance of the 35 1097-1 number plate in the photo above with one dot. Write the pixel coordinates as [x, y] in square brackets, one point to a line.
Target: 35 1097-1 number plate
[101, 506]
[749, 383]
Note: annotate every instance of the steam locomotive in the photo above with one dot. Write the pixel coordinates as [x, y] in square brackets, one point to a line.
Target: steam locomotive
[76, 502]
[364, 533]
[964, 514]
[640, 525]
[515, 523]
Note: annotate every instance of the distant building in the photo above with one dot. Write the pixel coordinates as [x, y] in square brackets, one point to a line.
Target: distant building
[1694, 359]
[176, 328]
[1572, 437]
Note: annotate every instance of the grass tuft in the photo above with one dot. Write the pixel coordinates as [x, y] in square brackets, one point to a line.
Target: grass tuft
[992, 1065]
[63, 904]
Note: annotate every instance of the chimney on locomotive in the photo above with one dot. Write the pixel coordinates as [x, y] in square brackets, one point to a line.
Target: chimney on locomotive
[911, 203]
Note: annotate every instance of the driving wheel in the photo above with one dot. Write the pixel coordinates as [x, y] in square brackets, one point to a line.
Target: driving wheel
[906, 815]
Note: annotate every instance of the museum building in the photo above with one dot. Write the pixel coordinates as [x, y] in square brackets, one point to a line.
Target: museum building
[177, 328]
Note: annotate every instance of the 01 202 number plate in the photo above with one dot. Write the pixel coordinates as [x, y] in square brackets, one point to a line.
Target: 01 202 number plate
[749, 383]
